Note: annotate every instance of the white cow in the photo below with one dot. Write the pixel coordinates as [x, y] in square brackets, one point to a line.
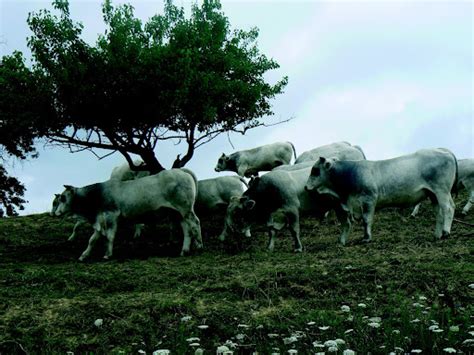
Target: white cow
[338, 150]
[465, 181]
[215, 193]
[249, 162]
[104, 204]
[364, 186]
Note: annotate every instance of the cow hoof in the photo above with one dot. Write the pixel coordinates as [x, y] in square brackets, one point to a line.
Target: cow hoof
[444, 236]
[184, 252]
[298, 250]
[366, 240]
[106, 257]
[81, 258]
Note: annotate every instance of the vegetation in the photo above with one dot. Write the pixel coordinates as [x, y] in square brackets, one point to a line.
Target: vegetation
[400, 293]
[173, 77]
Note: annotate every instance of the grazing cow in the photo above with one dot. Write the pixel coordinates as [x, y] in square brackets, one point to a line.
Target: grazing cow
[364, 186]
[276, 198]
[213, 194]
[103, 204]
[249, 162]
[339, 150]
[465, 181]
[119, 173]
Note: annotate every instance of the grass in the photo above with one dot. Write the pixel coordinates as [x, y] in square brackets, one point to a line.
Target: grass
[256, 300]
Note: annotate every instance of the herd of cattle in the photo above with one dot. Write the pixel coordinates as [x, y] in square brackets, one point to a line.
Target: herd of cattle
[332, 177]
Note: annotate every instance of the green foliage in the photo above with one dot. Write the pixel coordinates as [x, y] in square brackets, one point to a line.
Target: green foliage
[171, 77]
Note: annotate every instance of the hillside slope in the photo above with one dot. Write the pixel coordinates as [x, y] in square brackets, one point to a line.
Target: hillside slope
[417, 289]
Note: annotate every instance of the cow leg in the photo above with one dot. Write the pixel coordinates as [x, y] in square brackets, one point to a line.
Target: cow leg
[445, 215]
[74, 231]
[343, 218]
[271, 241]
[469, 203]
[110, 234]
[191, 231]
[92, 241]
[368, 218]
[416, 210]
[294, 224]
[138, 230]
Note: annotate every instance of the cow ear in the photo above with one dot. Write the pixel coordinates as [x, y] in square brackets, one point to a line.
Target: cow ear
[328, 164]
[68, 187]
[254, 180]
[226, 157]
[249, 204]
[322, 160]
[57, 195]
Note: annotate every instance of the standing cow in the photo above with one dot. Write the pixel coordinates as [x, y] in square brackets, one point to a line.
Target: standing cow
[465, 181]
[249, 162]
[338, 150]
[276, 199]
[364, 186]
[215, 193]
[104, 204]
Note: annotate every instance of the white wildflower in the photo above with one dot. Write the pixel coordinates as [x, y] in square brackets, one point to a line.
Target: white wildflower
[240, 337]
[141, 351]
[368, 298]
[397, 348]
[194, 344]
[348, 331]
[437, 330]
[222, 349]
[468, 342]
[259, 326]
[379, 287]
[471, 333]
[231, 344]
[193, 339]
[324, 327]
[332, 349]
[416, 320]
[243, 326]
[292, 351]
[449, 350]
[339, 341]
[433, 327]
[162, 352]
[374, 325]
[418, 305]
[186, 318]
[317, 344]
[350, 318]
[454, 328]
[290, 340]
[440, 294]
[395, 331]
[348, 352]
[199, 351]
[311, 323]
[330, 343]
[273, 335]
[362, 305]
[382, 347]
[416, 351]
[345, 308]
[422, 298]
[320, 353]
[471, 286]
[98, 322]
[375, 319]
[203, 326]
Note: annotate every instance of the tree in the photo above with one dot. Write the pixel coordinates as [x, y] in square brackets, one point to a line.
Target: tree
[188, 79]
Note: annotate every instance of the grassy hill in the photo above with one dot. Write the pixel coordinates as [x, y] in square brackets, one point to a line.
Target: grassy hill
[402, 291]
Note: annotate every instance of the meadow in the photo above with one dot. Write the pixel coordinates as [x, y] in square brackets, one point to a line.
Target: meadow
[402, 293]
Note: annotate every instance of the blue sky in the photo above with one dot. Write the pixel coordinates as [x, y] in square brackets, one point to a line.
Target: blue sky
[390, 76]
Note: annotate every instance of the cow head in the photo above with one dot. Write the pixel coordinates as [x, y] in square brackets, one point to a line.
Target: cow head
[222, 163]
[237, 217]
[55, 204]
[319, 179]
[63, 201]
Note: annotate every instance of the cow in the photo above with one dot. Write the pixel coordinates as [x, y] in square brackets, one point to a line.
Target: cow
[363, 186]
[215, 193]
[119, 173]
[105, 204]
[250, 162]
[465, 181]
[276, 198]
[339, 150]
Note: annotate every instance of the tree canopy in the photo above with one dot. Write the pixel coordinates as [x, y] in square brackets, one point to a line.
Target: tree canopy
[172, 77]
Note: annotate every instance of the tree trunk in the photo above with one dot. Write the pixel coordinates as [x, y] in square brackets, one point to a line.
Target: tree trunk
[151, 163]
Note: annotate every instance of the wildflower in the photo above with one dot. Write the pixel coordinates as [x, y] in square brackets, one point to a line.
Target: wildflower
[194, 344]
[340, 341]
[345, 308]
[98, 322]
[186, 318]
[330, 343]
[231, 344]
[348, 352]
[243, 326]
[324, 327]
[290, 340]
[440, 294]
[382, 347]
[311, 323]
[292, 351]
[222, 349]
[193, 339]
[433, 327]
[416, 351]
[375, 319]
[454, 328]
[141, 351]
[317, 344]
[471, 333]
[203, 326]
[240, 337]
[362, 305]
[416, 304]
[348, 331]
[374, 325]
[332, 349]
[379, 287]
[397, 348]
[416, 320]
[199, 351]
[259, 326]
[161, 352]
[468, 341]
[319, 353]
[471, 286]
[422, 298]
[273, 335]
[449, 350]
[395, 331]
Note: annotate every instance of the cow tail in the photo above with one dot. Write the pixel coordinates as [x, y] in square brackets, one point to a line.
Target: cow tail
[456, 177]
[294, 150]
[360, 149]
[243, 181]
[186, 170]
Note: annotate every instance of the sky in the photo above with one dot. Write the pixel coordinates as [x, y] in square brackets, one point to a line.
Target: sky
[390, 76]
